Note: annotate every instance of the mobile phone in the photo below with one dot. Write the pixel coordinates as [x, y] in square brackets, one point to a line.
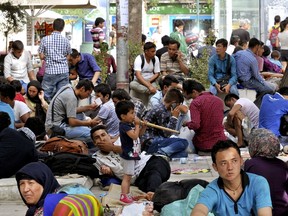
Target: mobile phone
[98, 101]
[174, 58]
[173, 106]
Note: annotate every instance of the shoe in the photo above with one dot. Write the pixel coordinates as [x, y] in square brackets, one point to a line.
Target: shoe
[126, 198]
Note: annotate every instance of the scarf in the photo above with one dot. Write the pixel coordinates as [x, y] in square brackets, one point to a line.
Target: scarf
[263, 143]
[42, 174]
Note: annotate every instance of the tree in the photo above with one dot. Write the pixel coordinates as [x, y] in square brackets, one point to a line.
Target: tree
[12, 20]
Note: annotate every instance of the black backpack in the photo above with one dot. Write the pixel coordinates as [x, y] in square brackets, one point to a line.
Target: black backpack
[142, 65]
[169, 192]
[63, 163]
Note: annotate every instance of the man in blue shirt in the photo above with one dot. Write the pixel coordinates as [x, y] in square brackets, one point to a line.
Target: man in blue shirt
[85, 65]
[235, 192]
[222, 66]
[248, 71]
[273, 107]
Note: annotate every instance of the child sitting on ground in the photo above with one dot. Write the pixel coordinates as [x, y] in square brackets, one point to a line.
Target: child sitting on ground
[275, 58]
[130, 144]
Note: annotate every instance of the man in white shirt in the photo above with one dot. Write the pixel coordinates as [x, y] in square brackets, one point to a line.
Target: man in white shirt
[147, 70]
[240, 108]
[18, 65]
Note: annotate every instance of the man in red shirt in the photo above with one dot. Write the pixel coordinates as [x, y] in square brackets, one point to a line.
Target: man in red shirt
[207, 113]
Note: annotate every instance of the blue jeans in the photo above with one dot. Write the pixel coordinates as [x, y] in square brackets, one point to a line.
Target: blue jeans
[52, 83]
[259, 87]
[172, 147]
[233, 90]
[78, 133]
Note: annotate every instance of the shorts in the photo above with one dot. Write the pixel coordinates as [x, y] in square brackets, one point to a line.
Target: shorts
[284, 55]
[128, 166]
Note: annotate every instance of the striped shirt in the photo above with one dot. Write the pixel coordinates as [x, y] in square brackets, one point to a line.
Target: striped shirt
[55, 47]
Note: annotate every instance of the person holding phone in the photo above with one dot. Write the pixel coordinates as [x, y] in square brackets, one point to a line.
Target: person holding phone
[174, 62]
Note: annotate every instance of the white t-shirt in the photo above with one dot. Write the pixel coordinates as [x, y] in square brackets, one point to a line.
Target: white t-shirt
[249, 109]
[18, 68]
[283, 39]
[114, 161]
[148, 70]
[20, 109]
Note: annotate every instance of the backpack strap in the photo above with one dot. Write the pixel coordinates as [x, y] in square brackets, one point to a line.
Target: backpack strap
[143, 62]
[52, 116]
[228, 66]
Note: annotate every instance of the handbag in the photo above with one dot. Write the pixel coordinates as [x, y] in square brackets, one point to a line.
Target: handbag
[224, 81]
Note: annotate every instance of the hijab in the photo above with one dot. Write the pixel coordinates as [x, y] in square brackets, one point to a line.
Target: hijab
[42, 174]
[38, 109]
[263, 143]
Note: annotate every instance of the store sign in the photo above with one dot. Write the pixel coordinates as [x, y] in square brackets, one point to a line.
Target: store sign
[204, 8]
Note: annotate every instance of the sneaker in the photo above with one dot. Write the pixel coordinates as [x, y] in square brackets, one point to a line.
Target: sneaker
[126, 198]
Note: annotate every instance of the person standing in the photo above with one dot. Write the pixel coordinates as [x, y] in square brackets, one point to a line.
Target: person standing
[98, 35]
[242, 31]
[179, 35]
[54, 49]
[283, 39]
[18, 65]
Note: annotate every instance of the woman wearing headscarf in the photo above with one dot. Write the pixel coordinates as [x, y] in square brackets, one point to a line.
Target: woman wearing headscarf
[35, 181]
[264, 148]
[35, 100]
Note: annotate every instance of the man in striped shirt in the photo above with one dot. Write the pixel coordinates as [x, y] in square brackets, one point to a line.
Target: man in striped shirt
[54, 49]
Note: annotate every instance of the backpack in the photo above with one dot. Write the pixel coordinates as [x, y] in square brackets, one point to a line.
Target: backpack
[169, 192]
[142, 65]
[273, 36]
[63, 163]
[61, 144]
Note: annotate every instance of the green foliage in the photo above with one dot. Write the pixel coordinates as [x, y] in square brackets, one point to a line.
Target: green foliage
[134, 49]
[102, 63]
[13, 18]
[199, 66]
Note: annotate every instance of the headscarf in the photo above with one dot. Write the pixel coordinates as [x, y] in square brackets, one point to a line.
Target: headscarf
[263, 143]
[38, 109]
[42, 174]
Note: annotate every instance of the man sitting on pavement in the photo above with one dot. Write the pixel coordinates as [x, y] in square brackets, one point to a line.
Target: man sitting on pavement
[222, 70]
[235, 192]
[15, 149]
[273, 107]
[174, 61]
[147, 70]
[240, 108]
[150, 170]
[166, 115]
[62, 111]
[248, 71]
[207, 113]
[85, 67]
[165, 84]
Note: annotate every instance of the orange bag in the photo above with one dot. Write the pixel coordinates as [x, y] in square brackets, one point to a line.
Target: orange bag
[62, 144]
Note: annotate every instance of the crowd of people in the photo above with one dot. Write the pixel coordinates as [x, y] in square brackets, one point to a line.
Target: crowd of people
[129, 147]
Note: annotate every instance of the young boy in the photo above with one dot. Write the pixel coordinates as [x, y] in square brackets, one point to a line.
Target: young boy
[275, 58]
[98, 35]
[107, 114]
[130, 144]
